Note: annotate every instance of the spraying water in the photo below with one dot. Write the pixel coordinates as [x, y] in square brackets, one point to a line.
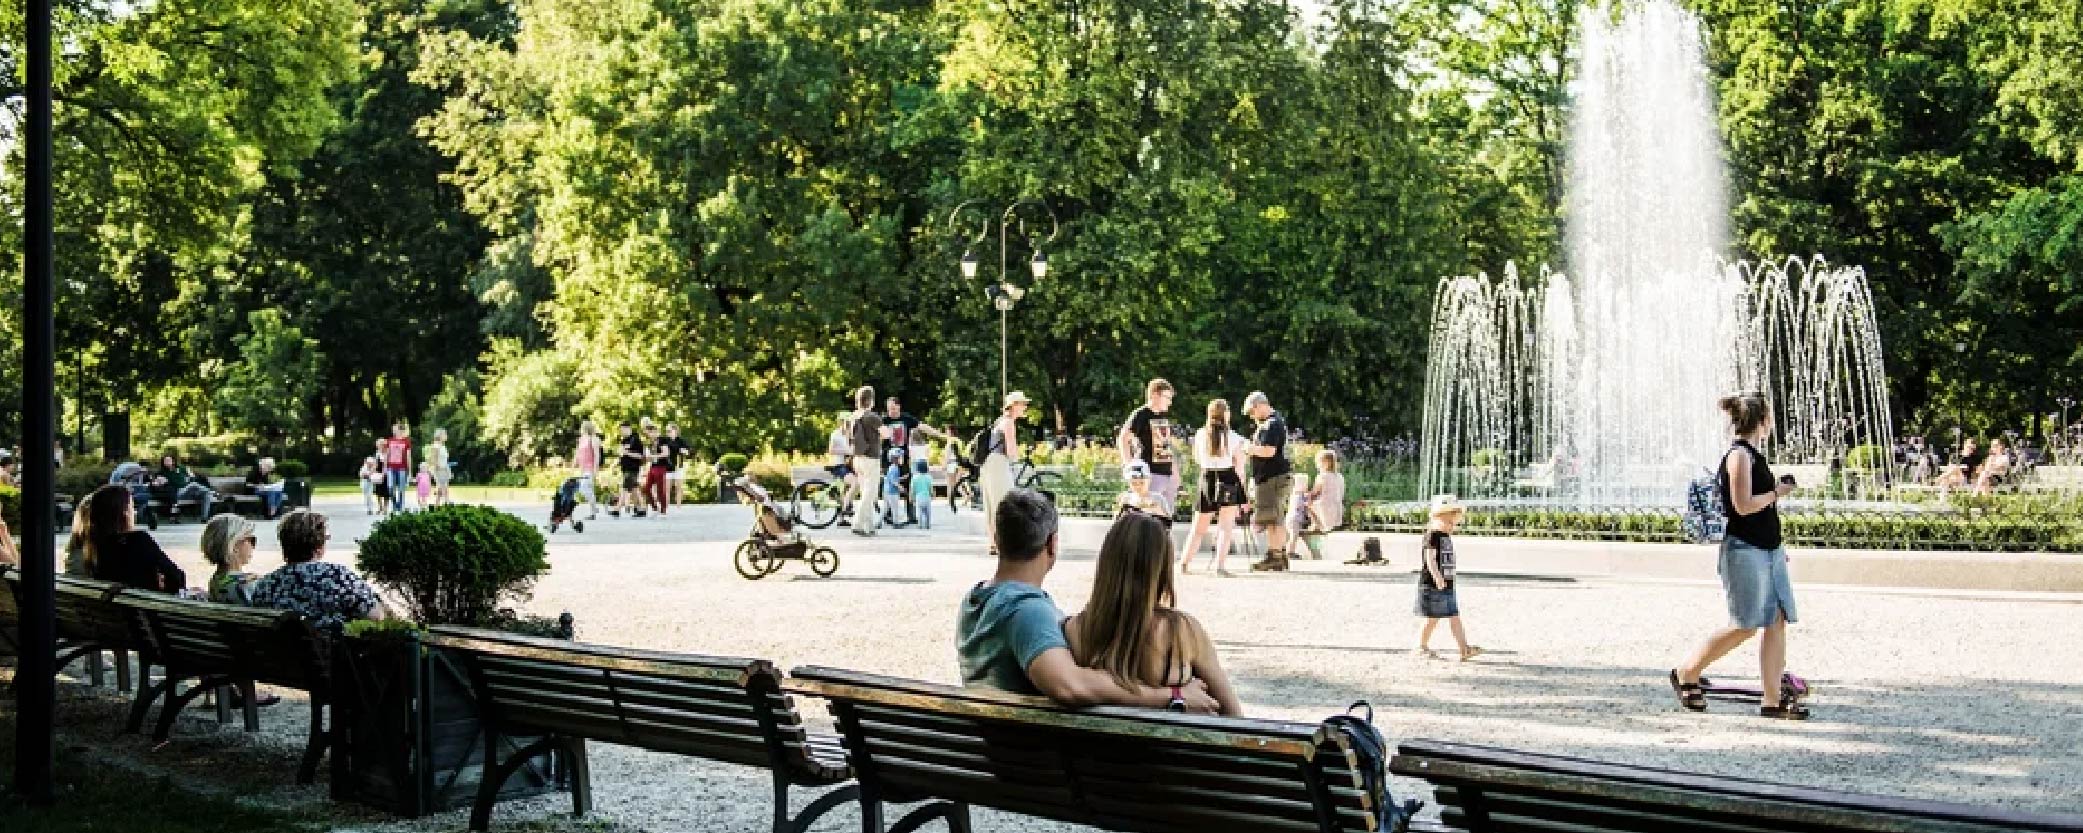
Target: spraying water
[1600, 389]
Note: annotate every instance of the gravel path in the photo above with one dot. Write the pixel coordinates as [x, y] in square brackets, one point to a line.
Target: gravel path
[1970, 697]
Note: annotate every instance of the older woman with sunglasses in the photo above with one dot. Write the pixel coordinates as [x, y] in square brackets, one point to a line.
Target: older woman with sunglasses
[228, 544]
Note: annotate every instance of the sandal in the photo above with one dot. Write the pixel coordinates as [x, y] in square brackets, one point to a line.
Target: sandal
[1428, 653]
[1690, 695]
[1787, 711]
[1470, 652]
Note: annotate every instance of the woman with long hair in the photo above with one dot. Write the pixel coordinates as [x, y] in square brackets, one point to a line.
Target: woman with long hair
[1132, 628]
[112, 548]
[1753, 567]
[1219, 451]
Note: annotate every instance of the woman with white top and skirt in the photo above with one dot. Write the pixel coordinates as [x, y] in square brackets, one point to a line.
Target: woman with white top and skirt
[1219, 452]
[996, 476]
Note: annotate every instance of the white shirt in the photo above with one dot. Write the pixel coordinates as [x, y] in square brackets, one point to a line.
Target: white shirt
[840, 447]
[1208, 460]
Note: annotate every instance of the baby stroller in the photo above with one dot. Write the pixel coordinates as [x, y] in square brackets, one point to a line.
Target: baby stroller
[773, 539]
[564, 503]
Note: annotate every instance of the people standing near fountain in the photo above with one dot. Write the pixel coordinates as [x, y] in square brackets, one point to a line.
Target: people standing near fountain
[1437, 599]
[1219, 452]
[1148, 437]
[1272, 479]
[1753, 564]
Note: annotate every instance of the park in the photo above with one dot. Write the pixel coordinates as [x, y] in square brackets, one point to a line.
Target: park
[1337, 415]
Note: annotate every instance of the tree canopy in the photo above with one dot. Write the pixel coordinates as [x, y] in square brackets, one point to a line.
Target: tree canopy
[307, 219]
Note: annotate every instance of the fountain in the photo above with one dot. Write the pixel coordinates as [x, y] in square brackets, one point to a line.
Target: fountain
[1599, 389]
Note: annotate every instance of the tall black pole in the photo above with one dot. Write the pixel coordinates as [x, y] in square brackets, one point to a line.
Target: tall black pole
[36, 676]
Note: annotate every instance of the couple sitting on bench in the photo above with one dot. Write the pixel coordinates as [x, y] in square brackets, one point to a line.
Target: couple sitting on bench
[1129, 647]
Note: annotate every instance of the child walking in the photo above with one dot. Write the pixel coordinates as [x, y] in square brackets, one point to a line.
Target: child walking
[1436, 598]
[922, 484]
[424, 484]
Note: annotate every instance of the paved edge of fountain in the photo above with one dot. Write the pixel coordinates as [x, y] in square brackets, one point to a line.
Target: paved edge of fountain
[2020, 572]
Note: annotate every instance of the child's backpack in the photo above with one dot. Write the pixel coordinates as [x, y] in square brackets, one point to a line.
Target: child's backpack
[1704, 522]
[1371, 754]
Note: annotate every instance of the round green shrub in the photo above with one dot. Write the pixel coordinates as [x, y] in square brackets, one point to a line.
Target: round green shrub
[292, 469]
[733, 463]
[454, 564]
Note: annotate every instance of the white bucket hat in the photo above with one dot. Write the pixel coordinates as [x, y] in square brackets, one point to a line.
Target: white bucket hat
[1447, 504]
[1015, 398]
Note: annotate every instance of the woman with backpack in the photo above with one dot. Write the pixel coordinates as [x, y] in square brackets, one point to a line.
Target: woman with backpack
[996, 473]
[1753, 564]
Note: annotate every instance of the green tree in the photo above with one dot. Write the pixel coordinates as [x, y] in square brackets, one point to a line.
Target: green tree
[270, 386]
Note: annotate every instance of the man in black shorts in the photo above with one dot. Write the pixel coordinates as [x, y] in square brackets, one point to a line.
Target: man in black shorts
[1272, 479]
[632, 461]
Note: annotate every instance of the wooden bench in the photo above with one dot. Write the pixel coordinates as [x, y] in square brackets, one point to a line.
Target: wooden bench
[730, 710]
[1112, 768]
[219, 646]
[1487, 790]
[235, 492]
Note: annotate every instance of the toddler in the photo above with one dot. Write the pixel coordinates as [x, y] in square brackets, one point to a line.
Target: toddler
[424, 485]
[1138, 495]
[922, 486]
[1436, 598]
[893, 485]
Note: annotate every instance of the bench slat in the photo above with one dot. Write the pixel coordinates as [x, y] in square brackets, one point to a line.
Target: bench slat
[609, 686]
[530, 718]
[734, 671]
[1532, 812]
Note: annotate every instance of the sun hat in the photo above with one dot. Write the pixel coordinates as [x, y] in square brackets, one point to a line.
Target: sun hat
[1447, 504]
[1015, 398]
[1135, 470]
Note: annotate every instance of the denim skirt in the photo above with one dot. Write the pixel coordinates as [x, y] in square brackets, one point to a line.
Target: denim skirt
[1436, 604]
[1756, 583]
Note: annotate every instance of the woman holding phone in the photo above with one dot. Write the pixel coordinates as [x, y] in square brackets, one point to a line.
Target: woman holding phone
[1753, 564]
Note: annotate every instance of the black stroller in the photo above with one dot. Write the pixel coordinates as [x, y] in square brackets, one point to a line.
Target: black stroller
[564, 503]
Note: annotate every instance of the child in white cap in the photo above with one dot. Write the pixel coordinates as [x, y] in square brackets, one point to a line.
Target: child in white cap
[1139, 496]
[1436, 597]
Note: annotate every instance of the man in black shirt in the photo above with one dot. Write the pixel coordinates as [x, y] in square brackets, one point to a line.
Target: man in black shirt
[906, 433]
[632, 462]
[1149, 436]
[1272, 479]
[677, 452]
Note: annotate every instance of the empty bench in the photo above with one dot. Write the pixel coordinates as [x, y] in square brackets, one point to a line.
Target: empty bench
[1483, 789]
[728, 710]
[1118, 769]
[88, 623]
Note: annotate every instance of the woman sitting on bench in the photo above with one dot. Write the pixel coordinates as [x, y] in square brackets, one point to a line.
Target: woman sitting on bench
[1130, 627]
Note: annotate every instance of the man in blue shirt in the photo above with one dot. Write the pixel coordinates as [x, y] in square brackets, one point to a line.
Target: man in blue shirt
[1009, 634]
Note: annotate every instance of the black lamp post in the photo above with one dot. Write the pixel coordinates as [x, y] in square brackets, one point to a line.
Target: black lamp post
[1005, 294]
[36, 675]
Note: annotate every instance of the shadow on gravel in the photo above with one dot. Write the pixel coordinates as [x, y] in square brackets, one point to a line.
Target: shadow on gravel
[1954, 739]
[872, 579]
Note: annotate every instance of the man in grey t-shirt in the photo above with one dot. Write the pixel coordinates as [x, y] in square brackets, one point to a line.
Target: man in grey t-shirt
[868, 434]
[1009, 633]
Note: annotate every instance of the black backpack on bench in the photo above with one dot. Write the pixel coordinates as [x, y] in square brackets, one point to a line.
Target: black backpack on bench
[1373, 754]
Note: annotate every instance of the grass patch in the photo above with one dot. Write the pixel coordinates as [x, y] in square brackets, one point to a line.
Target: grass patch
[93, 797]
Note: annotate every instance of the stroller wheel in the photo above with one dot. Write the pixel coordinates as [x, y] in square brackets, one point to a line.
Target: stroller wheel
[824, 561]
[578, 526]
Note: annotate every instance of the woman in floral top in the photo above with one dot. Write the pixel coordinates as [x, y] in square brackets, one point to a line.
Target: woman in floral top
[327, 595]
[228, 543]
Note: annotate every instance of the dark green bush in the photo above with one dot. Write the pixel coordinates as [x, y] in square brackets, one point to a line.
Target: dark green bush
[455, 564]
[732, 463]
[292, 469]
[202, 452]
[81, 480]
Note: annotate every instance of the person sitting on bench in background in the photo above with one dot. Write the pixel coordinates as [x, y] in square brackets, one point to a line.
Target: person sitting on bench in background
[173, 483]
[1009, 633]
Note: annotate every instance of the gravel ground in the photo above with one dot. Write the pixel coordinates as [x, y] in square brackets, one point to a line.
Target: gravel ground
[1972, 697]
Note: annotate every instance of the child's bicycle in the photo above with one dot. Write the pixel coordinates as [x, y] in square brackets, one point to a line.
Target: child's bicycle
[773, 539]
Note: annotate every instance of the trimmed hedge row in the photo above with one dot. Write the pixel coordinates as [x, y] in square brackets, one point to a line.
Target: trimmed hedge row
[2030, 528]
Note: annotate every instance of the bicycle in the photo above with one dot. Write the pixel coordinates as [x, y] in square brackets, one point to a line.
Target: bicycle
[965, 488]
[818, 503]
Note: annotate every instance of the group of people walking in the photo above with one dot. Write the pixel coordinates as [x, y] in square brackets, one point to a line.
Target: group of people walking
[388, 475]
[648, 461]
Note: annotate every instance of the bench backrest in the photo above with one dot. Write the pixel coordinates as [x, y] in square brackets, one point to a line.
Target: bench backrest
[1118, 769]
[1482, 789]
[229, 485]
[724, 709]
[271, 646]
[87, 613]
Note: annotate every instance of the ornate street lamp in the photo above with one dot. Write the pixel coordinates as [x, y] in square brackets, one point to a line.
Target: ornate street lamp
[1005, 294]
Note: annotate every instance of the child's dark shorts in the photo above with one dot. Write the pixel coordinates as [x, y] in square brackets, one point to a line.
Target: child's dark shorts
[1437, 604]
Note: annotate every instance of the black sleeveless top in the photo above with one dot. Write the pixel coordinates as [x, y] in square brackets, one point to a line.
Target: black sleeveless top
[1759, 529]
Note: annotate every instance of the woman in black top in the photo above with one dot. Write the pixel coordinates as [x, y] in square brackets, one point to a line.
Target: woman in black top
[1753, 564]
[114, 549]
